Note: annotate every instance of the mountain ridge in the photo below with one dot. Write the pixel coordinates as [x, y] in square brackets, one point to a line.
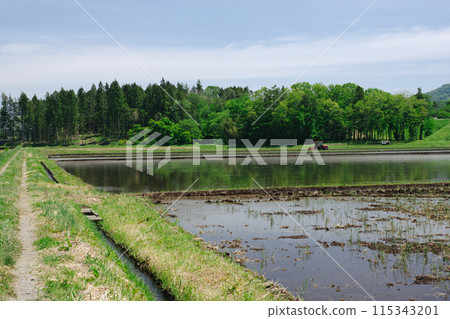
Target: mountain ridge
[440, 94]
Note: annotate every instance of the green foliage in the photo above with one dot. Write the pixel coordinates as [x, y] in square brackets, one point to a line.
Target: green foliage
[429, 126]
[136, 129]
[180, 133]
[189, 126]
[331, 113]
[164, 126]
[444, 111]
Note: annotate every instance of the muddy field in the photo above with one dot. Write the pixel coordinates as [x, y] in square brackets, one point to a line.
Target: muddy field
[292, 193]
[396, 248]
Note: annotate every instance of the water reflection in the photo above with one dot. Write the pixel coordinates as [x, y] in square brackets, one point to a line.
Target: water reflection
[114, 176]
[261, 236]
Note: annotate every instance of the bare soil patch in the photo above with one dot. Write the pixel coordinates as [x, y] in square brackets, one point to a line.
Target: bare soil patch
[292, 193]
[26, 279]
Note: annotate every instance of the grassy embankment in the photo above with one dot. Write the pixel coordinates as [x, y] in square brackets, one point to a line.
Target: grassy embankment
[9, 220]
[184, 265]
[72, 254]
[440, 138]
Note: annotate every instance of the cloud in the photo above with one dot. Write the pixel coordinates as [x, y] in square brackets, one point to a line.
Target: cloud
[418, 51]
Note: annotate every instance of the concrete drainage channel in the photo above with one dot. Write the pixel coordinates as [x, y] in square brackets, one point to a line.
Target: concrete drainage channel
[49, 173]
[158, 293]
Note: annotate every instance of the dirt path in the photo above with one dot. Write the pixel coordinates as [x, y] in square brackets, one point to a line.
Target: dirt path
[25, 285]
[7, 164]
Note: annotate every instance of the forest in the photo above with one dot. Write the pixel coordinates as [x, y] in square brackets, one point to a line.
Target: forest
[331, 113]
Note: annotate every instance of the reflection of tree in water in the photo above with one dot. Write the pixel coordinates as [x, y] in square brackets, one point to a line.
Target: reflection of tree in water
[179, 174]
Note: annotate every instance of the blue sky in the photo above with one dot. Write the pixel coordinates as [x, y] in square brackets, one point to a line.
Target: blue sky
[397, 46]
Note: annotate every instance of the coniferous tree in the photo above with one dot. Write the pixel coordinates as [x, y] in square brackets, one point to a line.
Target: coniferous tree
[25, 117]
[53, 116]
[82, 111]
[38, 109]
[91, 115]
[118, 111]
[101, 109]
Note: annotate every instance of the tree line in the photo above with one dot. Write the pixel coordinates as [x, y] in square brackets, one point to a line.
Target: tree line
[114, 112]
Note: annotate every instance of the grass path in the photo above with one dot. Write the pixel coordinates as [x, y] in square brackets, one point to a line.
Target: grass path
[7, 164]
[25, 285]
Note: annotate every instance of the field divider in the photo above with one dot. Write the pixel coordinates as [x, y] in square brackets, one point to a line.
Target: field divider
[432, 189]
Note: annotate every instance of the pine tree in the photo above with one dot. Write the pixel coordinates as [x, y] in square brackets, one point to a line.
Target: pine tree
[118, 111]
[25, 117]
[53, 116]
[38, 109]
[100, 111]
[91, 116]
[82, 111]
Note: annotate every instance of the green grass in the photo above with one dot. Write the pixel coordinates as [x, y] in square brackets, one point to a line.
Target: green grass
[440, 123]
[440, 138]
[55, 259]
[46, 242]
[63, 286]
[9, 244]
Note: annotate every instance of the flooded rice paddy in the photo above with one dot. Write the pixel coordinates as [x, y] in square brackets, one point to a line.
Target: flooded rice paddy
[390, 247]
[178, 175]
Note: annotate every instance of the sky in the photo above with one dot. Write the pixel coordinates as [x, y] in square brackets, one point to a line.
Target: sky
[397, 46]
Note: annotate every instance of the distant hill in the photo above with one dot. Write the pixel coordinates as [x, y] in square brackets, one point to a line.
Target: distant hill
[441, 94]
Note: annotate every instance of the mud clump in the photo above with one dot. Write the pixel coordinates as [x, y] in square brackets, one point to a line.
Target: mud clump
[321, 228]
[306, 212]
[293, 237]
[429, 279]
[236, 243]
[338, 226]
[397, 246]
[333, 244]
[337, 244]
